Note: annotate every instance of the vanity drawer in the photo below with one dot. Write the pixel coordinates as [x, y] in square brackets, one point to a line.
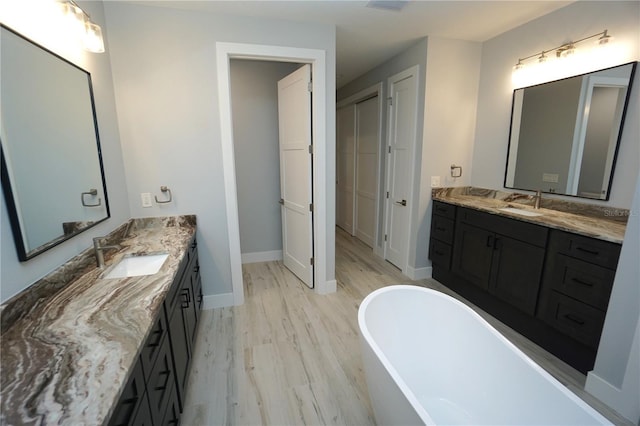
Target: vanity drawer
[575, 319]
[583, 281]
[591, 250]
[513, 228]
[442, 229]
[444, 209]
[440, 254]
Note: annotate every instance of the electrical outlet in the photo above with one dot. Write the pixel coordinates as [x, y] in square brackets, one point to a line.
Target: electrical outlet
[435, 181]
[146, 199]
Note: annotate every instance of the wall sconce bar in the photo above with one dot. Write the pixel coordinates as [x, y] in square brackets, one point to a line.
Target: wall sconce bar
[88, 31]
[563, 50]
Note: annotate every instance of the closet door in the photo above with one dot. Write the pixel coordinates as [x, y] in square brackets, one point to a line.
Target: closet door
[345, 167]
[367, 143]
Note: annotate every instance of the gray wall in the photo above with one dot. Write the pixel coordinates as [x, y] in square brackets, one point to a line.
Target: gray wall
[254, 94]
[165, 77]
[16, 275]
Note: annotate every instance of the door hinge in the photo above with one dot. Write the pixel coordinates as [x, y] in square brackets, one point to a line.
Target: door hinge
[310, 86]
[311, 261]
[390, 99]
[387, 194]
[310, 149]
[311, 207]
[389, 149]
[385, 237]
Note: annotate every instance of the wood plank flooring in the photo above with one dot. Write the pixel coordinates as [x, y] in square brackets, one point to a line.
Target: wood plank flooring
[291, 357]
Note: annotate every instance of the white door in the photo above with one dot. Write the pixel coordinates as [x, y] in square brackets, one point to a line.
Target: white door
[367, 139]
[345, 163]
[294, 120]
[402, 138]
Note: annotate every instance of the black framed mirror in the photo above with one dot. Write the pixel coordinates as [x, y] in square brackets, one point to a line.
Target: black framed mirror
[52, 171]
[564, 134]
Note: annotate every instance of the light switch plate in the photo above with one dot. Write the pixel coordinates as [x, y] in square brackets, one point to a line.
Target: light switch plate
[550, 177]
[146, 199]
[435, 181]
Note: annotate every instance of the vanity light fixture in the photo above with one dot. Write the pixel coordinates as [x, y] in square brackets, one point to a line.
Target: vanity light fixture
[87, 30]
[564, 50]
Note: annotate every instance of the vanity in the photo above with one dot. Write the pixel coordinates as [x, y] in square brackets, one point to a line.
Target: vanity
[80, 348]
[547, 272]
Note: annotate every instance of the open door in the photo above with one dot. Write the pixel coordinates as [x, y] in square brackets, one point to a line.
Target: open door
[402, 140]
[294, 119]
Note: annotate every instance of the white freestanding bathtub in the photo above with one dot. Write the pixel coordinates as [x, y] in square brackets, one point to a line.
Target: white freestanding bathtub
[430, 359]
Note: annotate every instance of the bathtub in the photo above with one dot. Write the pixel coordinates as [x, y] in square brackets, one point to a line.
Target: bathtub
[430, 359]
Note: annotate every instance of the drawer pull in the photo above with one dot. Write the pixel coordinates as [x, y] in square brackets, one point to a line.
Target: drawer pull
[579, 281]
[440, 228]
[593, 252]
[166, 374]
[439, 253]
[490, 241]
[575, 319]
[186, 302]
[158, 334]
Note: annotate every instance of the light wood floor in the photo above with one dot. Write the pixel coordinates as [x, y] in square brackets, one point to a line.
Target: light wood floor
[291, 357]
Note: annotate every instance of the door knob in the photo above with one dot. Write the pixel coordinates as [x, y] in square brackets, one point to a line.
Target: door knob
[402, 203]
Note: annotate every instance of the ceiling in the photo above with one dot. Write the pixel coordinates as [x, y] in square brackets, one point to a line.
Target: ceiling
[367, 37]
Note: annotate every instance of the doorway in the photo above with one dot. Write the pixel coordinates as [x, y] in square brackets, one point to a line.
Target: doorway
[358, 168]
[323, 243]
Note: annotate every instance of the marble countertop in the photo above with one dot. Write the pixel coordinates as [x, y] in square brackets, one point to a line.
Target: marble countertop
[608, 224]
[69, 341]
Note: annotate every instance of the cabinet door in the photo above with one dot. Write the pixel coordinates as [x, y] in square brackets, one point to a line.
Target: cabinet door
[180, 349]
[516, 273]
[161, 383]
[472, 254]
[133, 397]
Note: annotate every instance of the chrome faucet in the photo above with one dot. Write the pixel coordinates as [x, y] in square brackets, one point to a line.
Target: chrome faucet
[98, 250]
[537, 198]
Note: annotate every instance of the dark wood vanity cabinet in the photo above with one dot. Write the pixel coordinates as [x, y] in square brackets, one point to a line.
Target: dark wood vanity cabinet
[500, 255]
[577, 285]
[154, 394]
[551, 286]
[442, 228]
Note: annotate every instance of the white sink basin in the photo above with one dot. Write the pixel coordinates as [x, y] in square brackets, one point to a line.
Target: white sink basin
[521, 212]
[135, 266]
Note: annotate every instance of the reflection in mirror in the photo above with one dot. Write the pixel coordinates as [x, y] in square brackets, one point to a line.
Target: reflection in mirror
[52, 173]
[565, 134]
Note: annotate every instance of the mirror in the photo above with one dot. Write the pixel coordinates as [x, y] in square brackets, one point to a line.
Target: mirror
[564, 134]
[52, 174]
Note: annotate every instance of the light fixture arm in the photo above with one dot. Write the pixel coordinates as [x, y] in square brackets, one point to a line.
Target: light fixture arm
[563, 47]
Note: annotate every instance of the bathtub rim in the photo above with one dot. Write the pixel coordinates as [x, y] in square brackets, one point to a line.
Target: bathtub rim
[408, 393]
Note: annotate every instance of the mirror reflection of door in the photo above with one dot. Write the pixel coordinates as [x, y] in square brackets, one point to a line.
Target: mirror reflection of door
[596, 138]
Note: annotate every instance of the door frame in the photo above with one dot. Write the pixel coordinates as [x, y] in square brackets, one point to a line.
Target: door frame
[317, 58]
[411, 196]
[369, 92]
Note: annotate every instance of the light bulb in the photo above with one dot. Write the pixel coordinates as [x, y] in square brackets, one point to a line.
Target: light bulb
[93, 40]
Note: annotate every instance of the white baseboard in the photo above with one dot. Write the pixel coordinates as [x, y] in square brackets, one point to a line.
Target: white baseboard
[614, 397]
[217, 301]
[328, 287]
[262, 256]
[419, 273]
